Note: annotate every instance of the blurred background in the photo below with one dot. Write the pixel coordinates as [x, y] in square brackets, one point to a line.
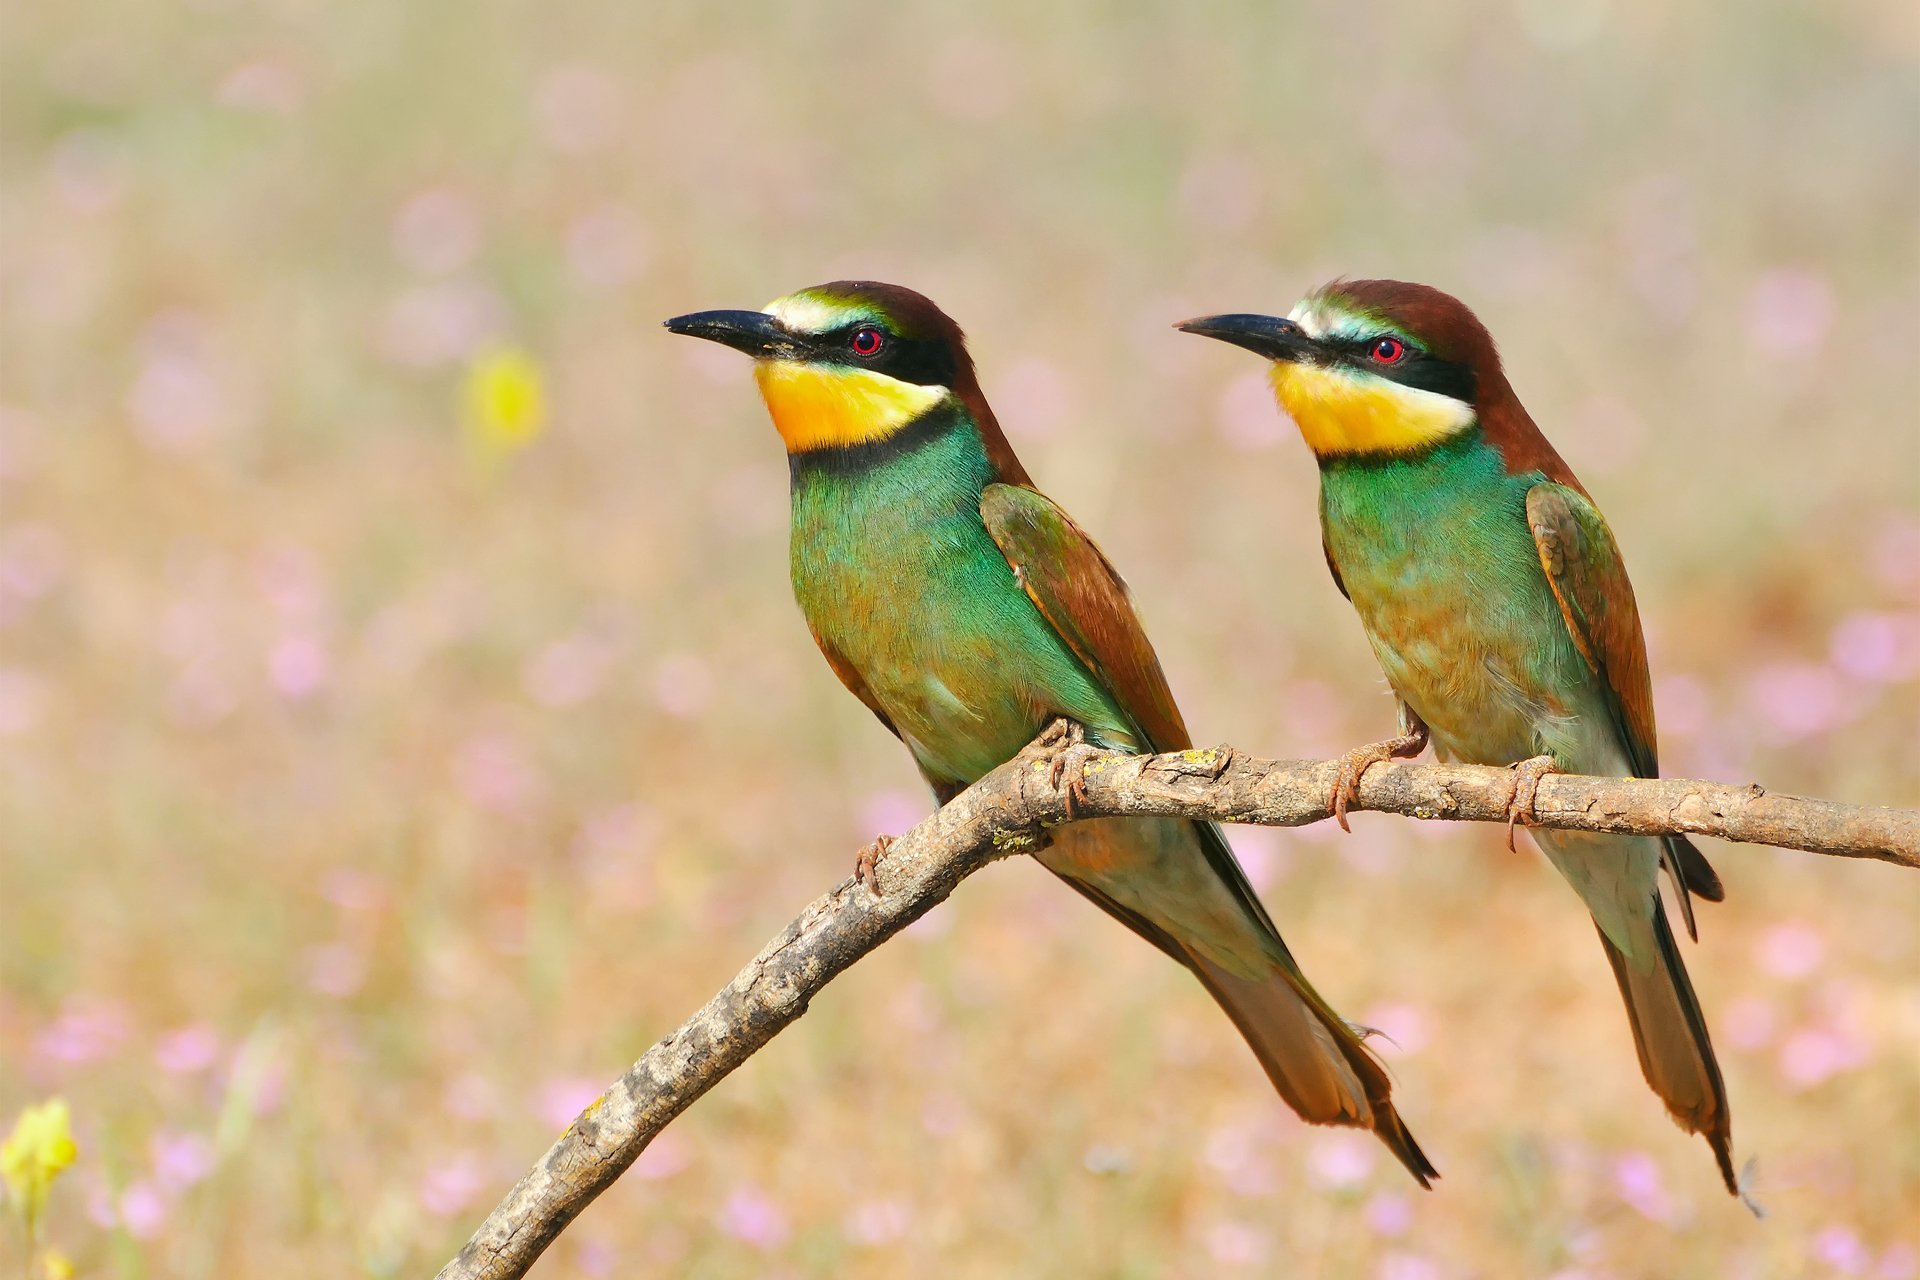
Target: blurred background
[383, 595]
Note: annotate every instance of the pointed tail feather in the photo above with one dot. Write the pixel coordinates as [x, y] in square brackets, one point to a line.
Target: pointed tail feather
[1691, 874]
[1671, 1034]
[1314, 1059]
[1190, 898]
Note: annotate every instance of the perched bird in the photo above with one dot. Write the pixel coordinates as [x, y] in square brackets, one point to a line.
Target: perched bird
[968, 612]
[1497, 604]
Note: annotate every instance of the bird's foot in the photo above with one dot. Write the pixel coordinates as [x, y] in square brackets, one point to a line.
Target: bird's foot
[865, 862]
[1526, 785]
[1067, 751]
[1354, 765]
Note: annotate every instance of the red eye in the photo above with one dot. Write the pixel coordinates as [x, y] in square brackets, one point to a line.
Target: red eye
[1389, 351]
[866, 342]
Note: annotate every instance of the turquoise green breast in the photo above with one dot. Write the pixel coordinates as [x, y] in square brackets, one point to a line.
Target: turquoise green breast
[897, 576]
[1437, 556]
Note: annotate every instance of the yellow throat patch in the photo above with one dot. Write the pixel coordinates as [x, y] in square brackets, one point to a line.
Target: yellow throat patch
[823, 407]
[1345, 411]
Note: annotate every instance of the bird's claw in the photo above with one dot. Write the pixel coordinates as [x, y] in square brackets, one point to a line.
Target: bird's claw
[1068, 751]
[1526, 786]
[1355, 763]
[866, 861]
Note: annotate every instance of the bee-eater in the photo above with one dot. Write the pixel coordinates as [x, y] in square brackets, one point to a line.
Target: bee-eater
[968, 612]
[1496, 603]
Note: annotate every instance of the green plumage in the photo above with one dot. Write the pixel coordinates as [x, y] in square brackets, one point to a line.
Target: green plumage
[904, 563]
[1437, 555]
[968, 612]
[899, 578]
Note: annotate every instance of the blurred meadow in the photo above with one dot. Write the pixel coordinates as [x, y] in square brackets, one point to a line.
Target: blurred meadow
[385, 601]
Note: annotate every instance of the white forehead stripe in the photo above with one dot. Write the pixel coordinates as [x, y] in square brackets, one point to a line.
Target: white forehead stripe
[799, 313]
[1311, 319]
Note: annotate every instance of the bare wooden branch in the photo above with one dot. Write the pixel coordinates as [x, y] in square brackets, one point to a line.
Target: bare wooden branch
[1009, 812]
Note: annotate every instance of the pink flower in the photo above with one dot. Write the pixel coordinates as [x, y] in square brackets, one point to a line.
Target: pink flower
[1405, 1027]
[751, 1217]
[1408, 1266]
[434, 325]
[1232, 1152]
[470, 1096]
[1895, 555]
[494, 773]
[266, 86]
[876, 1222]
[1685, 708]
[23, 696]
[1798, 699]
[1638, 1179]
[1339, 1161]
[1235, 1244]
[559, 1101]
[1791, 950]
[664, 1157]
[1814, 1055]
[1898, 1262]
[180, 1160]
[32, 562]
[178, 401]
[1264, 855]
[337, 969]
[683, 684]
[1875, 646]
[1390, 1213]
[892, 812]
[1748, 1023]
[437, 232]
[1841, 1248]
[83, 1034]
[569, 671]
[299, 667]
[188, 1050]
[352, 889]
[142, 1210]
[450, 1186]
[1790, 311]
[596, 1256]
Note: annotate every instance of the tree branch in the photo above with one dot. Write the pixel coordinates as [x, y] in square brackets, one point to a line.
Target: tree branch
[1008, 812]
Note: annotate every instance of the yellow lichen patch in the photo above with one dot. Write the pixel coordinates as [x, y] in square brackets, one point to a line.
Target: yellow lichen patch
[1349, 411]
[827, 406]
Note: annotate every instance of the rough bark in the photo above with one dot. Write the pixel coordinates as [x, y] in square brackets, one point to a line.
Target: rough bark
[1009, 812]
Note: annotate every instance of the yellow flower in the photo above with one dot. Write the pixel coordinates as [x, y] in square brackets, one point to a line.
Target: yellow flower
[56, 1265]
[506, 403]
[40, 1147]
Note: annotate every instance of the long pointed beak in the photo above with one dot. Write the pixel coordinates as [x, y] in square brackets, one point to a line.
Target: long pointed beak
[753, 332]
[1274, 337]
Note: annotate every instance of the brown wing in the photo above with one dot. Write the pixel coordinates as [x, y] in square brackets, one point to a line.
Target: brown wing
[1589, 580]
[1078, 591]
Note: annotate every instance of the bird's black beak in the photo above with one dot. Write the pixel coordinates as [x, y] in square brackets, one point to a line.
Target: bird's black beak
[753, 332]
[1274, 337]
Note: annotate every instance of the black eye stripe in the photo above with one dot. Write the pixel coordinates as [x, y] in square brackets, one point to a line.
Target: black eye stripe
[928, 362]
[1418, 368]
